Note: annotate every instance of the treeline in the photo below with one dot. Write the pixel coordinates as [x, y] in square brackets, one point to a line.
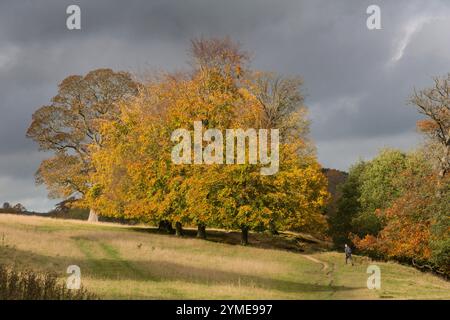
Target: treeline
[17, 208]
[397, 206]
[9, 208]
[111, 139]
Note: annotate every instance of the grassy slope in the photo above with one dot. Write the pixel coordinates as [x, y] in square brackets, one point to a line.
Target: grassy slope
[133, 263]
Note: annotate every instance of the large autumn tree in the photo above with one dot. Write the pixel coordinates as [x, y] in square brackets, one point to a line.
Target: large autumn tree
[70, 124]
[135, 176]
[151, 187]
[238, 196]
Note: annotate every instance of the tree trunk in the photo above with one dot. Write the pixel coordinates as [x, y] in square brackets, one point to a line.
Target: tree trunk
[244, 236]
[165, 226]
[93, 216]
[442, 172]
[201, 231]
[178, 229]
[273, 230]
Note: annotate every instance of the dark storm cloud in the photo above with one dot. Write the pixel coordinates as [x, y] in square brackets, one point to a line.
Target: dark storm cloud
[357, 81]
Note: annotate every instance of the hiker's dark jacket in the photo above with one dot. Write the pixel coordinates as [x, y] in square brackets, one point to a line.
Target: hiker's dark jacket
[348, 251]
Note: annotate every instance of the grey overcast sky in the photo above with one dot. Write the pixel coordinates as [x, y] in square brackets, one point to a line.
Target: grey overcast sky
[357, 81]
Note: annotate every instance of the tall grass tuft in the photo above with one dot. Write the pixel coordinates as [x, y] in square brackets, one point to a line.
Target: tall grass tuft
[31, 285]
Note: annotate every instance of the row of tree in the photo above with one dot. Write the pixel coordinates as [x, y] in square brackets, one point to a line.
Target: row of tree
[111, 138]
[398, 204]
[9, 208]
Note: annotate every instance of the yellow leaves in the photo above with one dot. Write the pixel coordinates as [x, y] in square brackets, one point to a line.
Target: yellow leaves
[139, 180]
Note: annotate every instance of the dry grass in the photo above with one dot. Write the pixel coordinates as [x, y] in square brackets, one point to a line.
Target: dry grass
[137, 263]
[31, 285]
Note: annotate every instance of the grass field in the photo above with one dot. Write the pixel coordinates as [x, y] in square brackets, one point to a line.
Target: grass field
[124, 262]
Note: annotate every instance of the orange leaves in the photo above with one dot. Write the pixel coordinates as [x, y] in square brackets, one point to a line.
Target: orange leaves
[407, 233]
[427, 125]
[368, 243]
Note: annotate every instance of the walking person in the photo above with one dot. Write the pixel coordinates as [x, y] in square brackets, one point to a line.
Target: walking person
[348, 254]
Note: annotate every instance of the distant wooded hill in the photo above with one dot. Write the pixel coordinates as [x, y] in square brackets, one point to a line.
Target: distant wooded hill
[335, 178]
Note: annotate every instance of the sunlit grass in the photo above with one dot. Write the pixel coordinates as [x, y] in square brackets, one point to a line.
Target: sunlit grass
[131, 263]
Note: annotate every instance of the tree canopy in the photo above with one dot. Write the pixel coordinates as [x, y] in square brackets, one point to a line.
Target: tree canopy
[135, 176]
[71, 123]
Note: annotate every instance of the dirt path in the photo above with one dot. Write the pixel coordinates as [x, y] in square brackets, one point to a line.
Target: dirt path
[324, 264]
[328, 272]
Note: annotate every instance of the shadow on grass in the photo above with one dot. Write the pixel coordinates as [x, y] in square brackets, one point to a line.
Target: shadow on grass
[119, 269]
[256, 239]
